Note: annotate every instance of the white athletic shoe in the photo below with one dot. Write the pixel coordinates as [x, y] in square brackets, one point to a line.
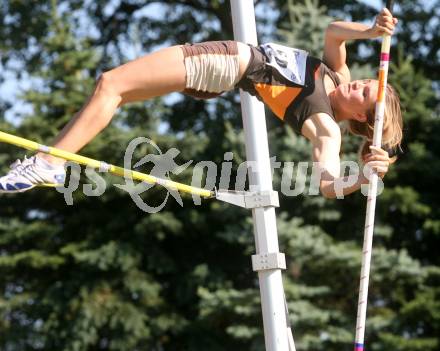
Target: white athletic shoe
[30, 173]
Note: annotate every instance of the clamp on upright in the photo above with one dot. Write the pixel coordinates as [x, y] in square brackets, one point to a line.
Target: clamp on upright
[249, 199]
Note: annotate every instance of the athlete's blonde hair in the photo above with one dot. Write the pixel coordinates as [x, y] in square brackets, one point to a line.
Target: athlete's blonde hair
[392, 125]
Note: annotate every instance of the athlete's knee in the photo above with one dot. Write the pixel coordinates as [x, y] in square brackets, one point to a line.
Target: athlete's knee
[107, 85]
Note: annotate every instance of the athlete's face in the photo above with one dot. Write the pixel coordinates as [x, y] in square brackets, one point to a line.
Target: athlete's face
[357, 97]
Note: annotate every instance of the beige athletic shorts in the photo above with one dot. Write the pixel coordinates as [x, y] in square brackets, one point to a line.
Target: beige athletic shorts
[211, 68]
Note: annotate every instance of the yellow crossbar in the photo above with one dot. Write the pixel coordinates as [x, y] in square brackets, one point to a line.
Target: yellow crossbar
[86, 161]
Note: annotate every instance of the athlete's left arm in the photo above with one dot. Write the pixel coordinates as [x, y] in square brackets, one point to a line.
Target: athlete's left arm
[337, 33]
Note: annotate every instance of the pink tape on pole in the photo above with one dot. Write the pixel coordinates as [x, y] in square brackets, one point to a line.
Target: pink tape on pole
[384, 56]
[359, 347]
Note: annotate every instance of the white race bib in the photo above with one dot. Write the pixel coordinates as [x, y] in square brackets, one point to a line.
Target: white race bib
[289, 62]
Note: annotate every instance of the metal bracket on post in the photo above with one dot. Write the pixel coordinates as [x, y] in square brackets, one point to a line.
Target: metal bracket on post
[273, 260]
[249, 199]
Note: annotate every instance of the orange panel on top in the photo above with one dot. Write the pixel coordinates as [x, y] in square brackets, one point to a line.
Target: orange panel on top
[278, 98]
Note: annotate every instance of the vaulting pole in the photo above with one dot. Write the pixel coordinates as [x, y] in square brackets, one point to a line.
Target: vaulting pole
[372, 190]
[265, 230]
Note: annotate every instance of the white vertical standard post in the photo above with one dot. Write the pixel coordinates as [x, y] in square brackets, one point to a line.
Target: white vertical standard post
[257, 153]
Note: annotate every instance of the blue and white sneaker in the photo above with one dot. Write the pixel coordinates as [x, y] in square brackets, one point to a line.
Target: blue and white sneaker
[32, 172]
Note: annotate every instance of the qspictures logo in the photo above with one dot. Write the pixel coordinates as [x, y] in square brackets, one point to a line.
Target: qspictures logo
[207, 175]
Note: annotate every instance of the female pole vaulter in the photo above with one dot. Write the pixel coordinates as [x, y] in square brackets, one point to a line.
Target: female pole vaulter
[312, 95]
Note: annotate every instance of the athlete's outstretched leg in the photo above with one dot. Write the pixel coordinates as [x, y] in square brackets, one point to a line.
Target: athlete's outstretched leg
[153, 75]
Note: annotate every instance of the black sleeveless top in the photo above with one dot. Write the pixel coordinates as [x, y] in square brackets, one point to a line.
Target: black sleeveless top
[291, 102]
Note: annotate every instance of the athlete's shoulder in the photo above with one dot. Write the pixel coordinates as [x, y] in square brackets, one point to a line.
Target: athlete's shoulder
[320, 125]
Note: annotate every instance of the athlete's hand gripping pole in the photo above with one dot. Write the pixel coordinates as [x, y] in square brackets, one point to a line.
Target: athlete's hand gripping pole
[372, 190]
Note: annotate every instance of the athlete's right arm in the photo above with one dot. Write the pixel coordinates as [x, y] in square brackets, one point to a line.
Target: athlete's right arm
[337, 33]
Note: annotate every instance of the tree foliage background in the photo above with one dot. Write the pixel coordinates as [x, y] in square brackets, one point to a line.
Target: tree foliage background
[103, 275]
